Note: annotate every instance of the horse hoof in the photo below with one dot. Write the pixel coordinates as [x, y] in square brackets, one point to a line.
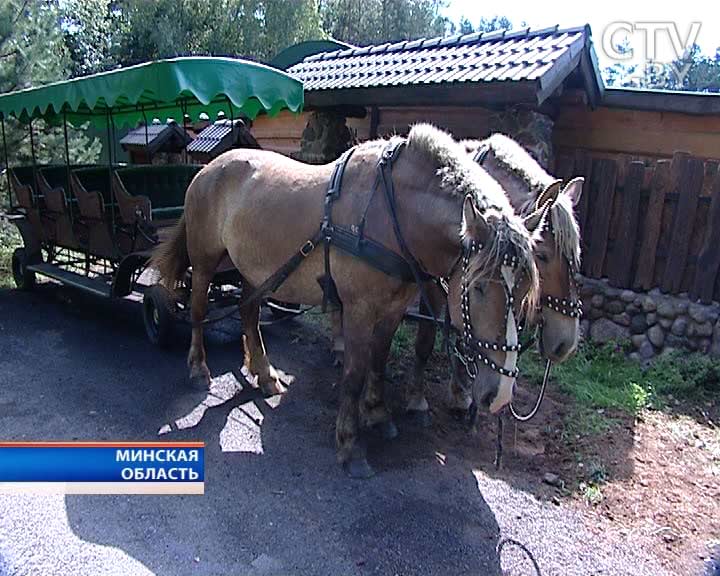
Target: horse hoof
[200, 382]
[272, 388]
[420, 417]
[388, 430]
[358, 469]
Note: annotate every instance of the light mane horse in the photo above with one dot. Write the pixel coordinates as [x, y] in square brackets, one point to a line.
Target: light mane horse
[260, 207]
[531, 191]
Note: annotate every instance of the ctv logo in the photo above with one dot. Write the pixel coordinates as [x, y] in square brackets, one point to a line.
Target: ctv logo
[654, 45]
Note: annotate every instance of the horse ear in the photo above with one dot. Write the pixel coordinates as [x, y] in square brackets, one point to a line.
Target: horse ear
[549, 195]
[536, 220]
[474, 227]
[574, 189]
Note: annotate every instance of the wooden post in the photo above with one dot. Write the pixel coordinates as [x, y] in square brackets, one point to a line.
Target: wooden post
[621, 258]
[604, 175]
[659, 187]
[709, 258]
[688, 184]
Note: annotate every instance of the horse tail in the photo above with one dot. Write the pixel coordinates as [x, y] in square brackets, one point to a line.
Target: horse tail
[171, 257]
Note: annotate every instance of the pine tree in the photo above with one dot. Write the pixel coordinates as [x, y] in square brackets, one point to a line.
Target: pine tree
[32, 53]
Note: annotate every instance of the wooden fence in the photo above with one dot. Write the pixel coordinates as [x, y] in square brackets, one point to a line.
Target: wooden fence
[647, 226]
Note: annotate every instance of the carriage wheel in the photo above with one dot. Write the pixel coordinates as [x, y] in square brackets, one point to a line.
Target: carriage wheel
[158, 315]
[24, 278]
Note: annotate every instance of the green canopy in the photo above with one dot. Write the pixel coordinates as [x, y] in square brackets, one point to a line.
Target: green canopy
[162, 89]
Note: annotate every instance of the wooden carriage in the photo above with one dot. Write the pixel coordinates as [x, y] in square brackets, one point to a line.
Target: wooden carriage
[94, 227]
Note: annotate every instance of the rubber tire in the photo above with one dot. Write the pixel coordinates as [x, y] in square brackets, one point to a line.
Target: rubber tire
[159, 315]
[278, 314]
[24, 278]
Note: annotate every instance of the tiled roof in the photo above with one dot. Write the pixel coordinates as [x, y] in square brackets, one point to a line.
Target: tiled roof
[168, 136]
[217, 138]
[210, 137]
[480, 57]
[137, 136]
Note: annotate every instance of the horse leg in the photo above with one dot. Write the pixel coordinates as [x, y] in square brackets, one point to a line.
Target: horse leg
[357, 329]
[199, 372]
[373, 409]
[338, 344]
[256, 360]
[459, 396]
[417, 405]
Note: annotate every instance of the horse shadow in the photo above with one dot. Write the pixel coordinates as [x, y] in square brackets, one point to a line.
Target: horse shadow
[276, 501]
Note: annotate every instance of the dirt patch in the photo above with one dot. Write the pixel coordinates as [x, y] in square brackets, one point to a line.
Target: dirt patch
[653, 480]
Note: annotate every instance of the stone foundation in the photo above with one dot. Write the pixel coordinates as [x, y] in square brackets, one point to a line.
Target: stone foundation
[325, 138]
[533, 130]
[653, 322]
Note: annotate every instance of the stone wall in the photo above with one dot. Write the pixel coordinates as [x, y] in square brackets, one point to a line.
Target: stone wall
[530, 128]
[325, 138]
[653, 322]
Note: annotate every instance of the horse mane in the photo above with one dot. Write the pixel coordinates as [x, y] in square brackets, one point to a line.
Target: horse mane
[565, 229]
[513, 158]
[460, 176]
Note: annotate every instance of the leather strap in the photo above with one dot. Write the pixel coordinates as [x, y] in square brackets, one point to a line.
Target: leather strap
[405, 267]
[282, 274]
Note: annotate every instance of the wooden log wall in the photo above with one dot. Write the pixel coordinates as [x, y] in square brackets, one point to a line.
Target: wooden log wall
[650, 224]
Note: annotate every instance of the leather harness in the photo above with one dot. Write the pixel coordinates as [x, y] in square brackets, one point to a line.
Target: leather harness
[405, 266]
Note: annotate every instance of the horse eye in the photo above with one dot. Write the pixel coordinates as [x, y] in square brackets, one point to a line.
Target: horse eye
[543, 258]
[479, 288]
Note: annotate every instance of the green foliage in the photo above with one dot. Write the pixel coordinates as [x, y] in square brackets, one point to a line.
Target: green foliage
[9, 240]
[694, 72]
[602, 377]
[91, 30]
[33, 52]
[403, 340]
[363, 22]
[102, 34]
[685, 376]
[493, 24]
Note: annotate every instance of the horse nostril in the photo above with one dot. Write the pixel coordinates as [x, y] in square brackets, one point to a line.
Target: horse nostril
[560, 350]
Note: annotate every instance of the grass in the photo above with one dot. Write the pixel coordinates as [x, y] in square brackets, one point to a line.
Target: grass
[404, 340]
[603, 378]
[9, 240]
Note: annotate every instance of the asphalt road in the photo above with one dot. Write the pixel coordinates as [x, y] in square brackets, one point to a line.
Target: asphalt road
[276, 502]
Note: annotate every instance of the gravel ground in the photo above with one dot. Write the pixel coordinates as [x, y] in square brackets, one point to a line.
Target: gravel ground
[276, 502]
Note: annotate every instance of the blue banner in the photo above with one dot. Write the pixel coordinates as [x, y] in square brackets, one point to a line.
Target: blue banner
[102, 462]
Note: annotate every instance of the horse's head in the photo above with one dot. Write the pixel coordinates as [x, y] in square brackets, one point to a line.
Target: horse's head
[494, 285]
[548, 208]
[557, 255]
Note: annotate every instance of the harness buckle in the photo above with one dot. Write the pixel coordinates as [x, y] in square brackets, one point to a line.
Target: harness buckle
[307, 248]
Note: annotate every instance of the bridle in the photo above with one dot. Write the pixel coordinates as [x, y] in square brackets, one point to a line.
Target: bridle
[473, 349]
[567, 306]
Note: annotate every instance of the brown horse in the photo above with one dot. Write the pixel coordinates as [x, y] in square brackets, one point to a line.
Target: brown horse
[259, 208]
[530, 190]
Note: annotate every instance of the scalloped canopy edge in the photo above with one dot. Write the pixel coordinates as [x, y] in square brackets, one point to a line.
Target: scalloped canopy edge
[164, 88]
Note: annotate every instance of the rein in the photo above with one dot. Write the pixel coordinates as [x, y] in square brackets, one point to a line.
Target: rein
[569, 307]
